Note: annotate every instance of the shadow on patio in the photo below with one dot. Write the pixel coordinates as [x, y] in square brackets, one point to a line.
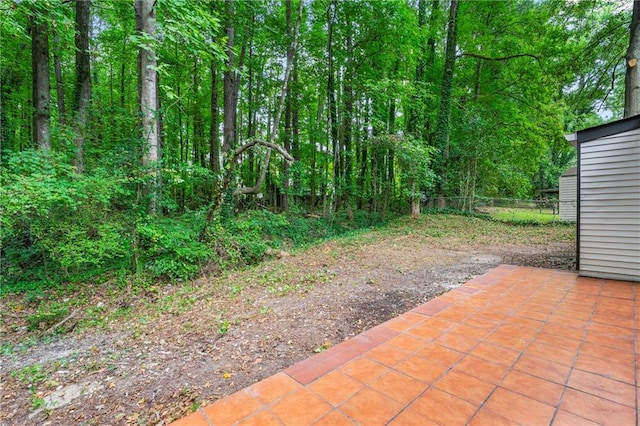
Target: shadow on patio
[514, 346]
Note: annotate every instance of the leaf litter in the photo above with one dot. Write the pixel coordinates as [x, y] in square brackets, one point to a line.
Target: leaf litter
[177, 350]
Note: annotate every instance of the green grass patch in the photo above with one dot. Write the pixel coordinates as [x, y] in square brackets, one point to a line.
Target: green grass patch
[523, 216]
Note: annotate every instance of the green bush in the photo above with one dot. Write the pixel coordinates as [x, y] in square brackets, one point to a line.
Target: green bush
[169, 248]
[55, 222]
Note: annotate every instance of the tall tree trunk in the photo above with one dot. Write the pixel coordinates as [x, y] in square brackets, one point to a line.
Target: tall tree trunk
[214, 138]
[442, 129]
[331, 101]
[251, 113]
[632, 76]
[284, 199]
[230, 97]
[198, 125]
[313, 179]
[82, 88]
[123, 69]
[41, 84]
[295, 125]
[57, 66]
[148, 98]
[347, 128]
[414, 107]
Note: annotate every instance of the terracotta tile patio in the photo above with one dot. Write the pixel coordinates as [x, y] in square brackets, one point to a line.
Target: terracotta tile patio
[513, 346]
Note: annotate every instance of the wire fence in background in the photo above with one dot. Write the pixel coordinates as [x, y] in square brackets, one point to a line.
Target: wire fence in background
[543, 210]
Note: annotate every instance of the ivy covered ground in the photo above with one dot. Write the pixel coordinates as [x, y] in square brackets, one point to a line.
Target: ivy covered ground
[150, 352]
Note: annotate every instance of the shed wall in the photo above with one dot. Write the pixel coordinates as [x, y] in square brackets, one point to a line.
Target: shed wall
[568, 198]
[609, 240]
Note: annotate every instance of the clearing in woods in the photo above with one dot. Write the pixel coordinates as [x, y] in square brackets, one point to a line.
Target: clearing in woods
[151, 354]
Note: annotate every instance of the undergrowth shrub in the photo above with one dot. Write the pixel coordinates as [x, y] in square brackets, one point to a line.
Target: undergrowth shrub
[58, 227]
[55, 222]
[169, 248]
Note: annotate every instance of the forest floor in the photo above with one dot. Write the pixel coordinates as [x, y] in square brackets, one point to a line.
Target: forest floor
[151, 354]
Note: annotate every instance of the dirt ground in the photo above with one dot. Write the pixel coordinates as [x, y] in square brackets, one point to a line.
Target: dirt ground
[181, 346]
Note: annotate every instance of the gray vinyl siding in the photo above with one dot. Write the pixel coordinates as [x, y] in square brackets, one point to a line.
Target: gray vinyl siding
[610, 207]
[568, 198]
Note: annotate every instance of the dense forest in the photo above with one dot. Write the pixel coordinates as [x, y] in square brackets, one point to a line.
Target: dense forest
[135, 133]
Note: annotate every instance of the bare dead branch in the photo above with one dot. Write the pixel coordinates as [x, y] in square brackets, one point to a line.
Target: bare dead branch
[71, 316]
[238, 152]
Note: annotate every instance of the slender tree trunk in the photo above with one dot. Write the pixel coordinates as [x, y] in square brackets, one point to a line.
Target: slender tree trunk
[632, 76]
[313, 179]
[414, 106]
[198, 125]
[41, 84]
[284, 204]
[214, 138]
[82, 88]
[59, 81]
[148, 98]
[332, 104]
[442, 129]
[426, 124]
[251, 114]
[123, 69]
[230, 98]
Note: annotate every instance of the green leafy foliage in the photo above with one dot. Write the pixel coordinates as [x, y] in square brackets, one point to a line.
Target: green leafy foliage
[56, 220]
[526, 72]
[169, 248]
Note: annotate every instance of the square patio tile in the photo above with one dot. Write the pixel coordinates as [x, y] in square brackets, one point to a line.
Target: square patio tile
[597, 409]
[273, 388]
[533, 387]
[485, 417]
[613, 390]
[370, 407]
[552, 353]
[334, 418]
[561, 342]
[421, 369]
[495, 353]
[233, 408]
[564, 418]
[411, 417]
[399, 387]
[440, 354]
[466, 387]
[545, 369]
[364, 369]
[519, 408]
[621, 372]
[407, 343]
[264, 417]
[443, 408]
[335, 387]
[608, 354]
[387, 354]
[479, 368]
[301, 407]
[193, 419]
[458, 342]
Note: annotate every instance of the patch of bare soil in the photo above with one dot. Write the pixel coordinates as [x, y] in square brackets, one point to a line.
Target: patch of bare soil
[181, 347]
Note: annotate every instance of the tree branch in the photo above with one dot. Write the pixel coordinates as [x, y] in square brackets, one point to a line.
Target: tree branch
[501, 58]
[291, 51]
[226, 181]
[238, 152]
